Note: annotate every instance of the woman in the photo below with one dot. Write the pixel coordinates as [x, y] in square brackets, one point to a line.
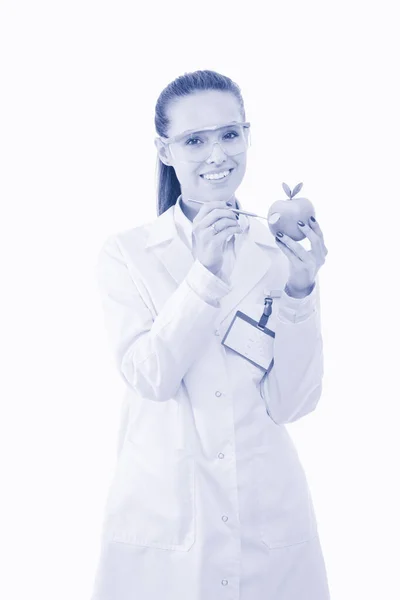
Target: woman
[209, 499]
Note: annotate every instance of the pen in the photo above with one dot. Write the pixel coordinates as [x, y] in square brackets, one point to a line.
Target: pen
[236, 210]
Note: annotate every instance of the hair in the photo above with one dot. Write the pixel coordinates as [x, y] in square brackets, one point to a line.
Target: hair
[168, 186]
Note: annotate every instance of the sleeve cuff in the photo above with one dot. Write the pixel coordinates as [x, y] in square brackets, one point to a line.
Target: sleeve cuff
[208, 286]
[297, 309]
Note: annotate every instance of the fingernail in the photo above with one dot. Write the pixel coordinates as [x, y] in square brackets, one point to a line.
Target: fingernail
[280, 234]
[301, 223]
[312, 219]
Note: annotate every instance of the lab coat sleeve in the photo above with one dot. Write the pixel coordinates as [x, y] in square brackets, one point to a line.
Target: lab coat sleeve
[154, 352]
[293, 387]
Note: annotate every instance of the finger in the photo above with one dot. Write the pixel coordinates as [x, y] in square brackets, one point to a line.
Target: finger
[225, 233]
[317, 229]
[223, 222]
[317, 246]
[293, 258]
[218, 214]
[296, 248]
[309, 232]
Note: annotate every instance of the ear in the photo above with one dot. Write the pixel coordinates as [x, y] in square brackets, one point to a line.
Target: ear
[163, 154]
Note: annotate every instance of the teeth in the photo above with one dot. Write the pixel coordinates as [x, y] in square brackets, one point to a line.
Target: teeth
[217, 175]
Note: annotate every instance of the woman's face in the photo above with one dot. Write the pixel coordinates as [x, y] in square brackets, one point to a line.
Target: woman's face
[195, 112]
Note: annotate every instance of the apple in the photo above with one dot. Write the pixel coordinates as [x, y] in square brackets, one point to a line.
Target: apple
[284, 214]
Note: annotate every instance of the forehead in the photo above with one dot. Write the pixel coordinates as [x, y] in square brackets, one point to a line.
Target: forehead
[202, 109]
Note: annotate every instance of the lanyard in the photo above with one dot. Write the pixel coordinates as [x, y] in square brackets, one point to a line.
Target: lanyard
[266, 312]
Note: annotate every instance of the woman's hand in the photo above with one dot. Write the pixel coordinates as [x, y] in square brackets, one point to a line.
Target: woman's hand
[212, 226]
[304, 264]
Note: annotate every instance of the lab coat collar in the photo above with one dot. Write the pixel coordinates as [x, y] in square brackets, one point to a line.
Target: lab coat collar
[251, 265]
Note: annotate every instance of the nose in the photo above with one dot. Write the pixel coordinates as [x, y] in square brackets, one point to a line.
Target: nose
[217, 154]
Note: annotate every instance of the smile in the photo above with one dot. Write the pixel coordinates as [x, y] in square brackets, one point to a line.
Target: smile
[217, 176]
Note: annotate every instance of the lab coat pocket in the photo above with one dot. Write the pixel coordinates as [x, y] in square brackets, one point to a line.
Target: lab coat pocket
[284, 502]
[151, 499]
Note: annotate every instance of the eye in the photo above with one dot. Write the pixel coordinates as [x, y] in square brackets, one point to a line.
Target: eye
[232, 133]
[192, 139]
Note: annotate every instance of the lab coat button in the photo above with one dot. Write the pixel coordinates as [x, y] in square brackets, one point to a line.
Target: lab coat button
[220, 455]
[224, 582]
[216, 332]
[224, 518]
[217, 393]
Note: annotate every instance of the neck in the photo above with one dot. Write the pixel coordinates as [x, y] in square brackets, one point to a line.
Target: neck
[190, 209]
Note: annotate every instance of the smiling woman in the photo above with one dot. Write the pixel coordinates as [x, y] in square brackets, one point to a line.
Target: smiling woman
[209, 490]
[203, 130]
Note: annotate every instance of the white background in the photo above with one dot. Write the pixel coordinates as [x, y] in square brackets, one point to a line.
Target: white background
[80, 80]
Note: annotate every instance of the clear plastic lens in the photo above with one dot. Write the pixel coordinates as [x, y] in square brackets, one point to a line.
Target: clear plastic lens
[197, 147]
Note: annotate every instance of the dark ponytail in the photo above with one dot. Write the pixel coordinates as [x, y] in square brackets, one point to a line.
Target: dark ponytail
[168, 186]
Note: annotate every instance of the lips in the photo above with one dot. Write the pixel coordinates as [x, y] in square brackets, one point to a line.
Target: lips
[216, 173]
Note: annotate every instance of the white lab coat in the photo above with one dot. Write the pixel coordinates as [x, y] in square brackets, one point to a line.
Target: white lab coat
[208, 500]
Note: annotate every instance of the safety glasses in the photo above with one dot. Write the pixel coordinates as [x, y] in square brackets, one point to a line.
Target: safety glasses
[197, 145]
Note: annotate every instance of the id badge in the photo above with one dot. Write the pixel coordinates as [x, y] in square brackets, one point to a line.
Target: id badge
[252, 339]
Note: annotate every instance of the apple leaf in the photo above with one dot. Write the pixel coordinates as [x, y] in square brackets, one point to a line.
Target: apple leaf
[287, 190]
[297, 189]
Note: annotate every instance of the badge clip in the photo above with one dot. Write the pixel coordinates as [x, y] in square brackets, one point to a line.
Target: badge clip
[266, 313]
